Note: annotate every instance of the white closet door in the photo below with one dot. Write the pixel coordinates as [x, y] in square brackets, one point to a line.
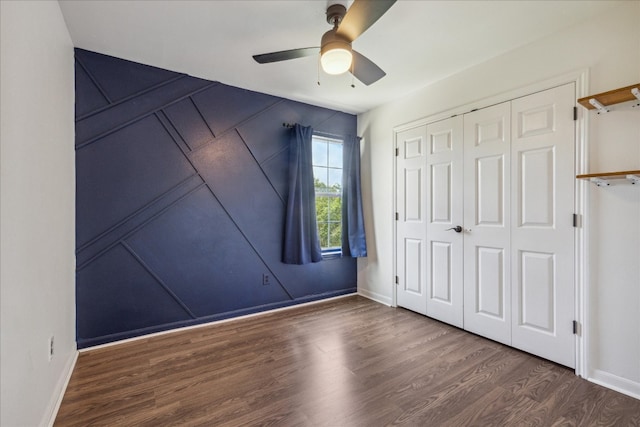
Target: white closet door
[444, 213]
[411, 223]
[542, 239]
[487, 253]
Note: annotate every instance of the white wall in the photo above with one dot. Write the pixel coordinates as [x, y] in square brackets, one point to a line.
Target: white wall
[609, 47]
[37, 210]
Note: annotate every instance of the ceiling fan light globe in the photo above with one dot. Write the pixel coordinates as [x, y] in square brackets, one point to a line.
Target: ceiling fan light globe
[336, 61]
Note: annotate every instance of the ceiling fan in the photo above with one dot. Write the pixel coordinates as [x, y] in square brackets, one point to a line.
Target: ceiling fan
[336, 54]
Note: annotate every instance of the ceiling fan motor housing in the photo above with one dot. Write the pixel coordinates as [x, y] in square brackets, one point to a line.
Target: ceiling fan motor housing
[331, 40]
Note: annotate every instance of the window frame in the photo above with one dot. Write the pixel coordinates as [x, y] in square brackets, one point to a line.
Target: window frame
[330, 252]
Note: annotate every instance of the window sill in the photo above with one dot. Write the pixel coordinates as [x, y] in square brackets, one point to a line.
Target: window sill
[331, 254]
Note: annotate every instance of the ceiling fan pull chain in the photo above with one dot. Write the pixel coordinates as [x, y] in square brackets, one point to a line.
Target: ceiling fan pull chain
[353, 82]
[318, 70]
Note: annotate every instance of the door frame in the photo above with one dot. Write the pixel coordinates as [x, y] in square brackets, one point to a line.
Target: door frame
[581, 242]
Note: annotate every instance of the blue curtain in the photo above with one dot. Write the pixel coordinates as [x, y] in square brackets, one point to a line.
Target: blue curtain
[301, 243]
[354, 243]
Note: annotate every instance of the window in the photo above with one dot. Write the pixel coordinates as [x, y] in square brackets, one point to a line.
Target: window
[327, 176]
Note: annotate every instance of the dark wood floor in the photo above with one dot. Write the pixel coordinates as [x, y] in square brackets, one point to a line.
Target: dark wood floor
[346, 362]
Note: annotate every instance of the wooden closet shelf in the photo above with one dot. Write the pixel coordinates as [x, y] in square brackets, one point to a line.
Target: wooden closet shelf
[602, 179]
[611, 97]
[609, 175]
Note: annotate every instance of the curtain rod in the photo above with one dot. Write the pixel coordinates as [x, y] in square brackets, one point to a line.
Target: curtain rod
[291, 126]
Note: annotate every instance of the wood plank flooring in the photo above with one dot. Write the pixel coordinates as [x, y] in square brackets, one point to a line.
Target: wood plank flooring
[345, 362]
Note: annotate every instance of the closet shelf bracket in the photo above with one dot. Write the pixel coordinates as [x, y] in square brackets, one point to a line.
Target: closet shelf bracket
[601, 108]
[635, 179]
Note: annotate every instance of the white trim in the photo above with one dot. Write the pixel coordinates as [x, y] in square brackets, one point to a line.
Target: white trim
[63, 382]
[614, 382]
[215, 322]
[581, 237]
[580, 79]
[394, 231]
[374, 296]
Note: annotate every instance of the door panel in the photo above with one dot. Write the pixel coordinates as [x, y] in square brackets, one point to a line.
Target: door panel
[490, 283]
[536, 196]
[412, 266]
[537, 290]
[490, 207]
[487, 252]
[411, 226]
[441, 272]
[441, 197]
[543, 233]
[444, 212]
[413, 194]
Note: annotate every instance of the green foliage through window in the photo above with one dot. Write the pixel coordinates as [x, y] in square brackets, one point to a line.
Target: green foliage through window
[327, 172]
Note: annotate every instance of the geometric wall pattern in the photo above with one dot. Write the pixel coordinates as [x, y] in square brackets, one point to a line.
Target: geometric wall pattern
[180, 199]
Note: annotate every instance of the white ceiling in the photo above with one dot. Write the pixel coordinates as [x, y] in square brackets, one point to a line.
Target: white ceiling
[415, 42]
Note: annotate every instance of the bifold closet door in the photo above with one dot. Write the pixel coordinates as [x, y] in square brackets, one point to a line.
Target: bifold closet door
[505, 176]
[444, 216]
[519, 204]
[411, 227]
[487, 251]
[542, 236]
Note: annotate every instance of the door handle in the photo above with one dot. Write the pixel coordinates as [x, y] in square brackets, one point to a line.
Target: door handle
[457, 229]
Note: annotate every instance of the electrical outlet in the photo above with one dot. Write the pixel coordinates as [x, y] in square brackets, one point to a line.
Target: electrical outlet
[51, 347]
[266, 280]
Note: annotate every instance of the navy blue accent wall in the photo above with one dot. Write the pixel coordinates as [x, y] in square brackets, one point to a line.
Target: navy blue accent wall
[181, 190]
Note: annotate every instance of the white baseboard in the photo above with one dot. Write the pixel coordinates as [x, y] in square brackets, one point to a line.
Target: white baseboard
[61, 388]
[614, 382]
[382, 299]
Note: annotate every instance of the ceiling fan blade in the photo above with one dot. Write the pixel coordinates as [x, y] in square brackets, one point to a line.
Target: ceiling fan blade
[365, 70]
[285, 55]
[361, 15]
